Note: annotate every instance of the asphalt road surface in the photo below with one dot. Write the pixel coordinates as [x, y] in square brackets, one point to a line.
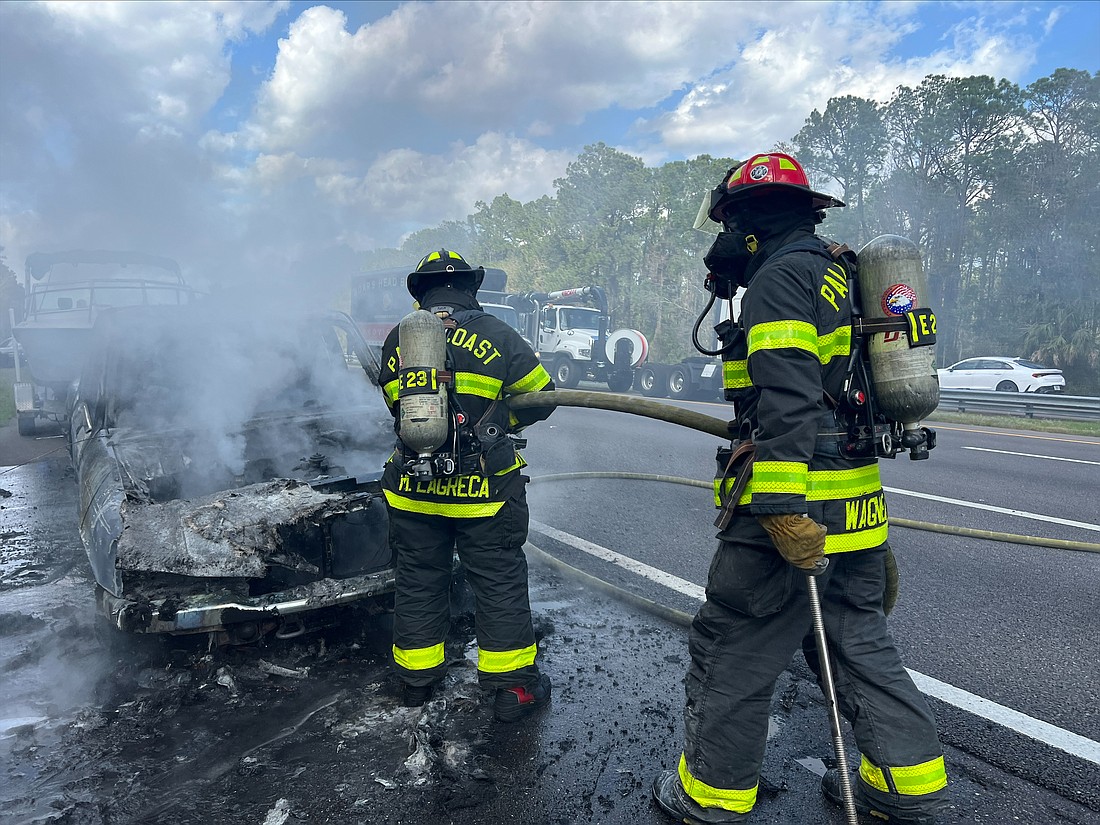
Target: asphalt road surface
[1001, 635]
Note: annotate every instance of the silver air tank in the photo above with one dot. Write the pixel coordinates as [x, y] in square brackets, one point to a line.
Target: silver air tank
[903, 362]
[423, 424]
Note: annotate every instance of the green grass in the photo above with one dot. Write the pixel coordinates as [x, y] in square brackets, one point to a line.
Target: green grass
[1019, 422]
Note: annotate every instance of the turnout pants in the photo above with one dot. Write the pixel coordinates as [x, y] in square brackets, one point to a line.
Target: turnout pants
[755, 617]
[491, 551]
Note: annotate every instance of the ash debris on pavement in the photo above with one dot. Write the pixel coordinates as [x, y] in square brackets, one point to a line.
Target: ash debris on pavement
[103, 728]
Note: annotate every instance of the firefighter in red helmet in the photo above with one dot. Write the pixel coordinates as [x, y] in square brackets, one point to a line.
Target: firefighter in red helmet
[790, 502]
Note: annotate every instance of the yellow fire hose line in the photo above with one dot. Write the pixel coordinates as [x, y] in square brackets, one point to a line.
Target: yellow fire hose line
[716, 426]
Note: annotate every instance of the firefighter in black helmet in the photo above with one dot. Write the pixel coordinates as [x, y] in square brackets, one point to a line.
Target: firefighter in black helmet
[479, 508]
[792, 501]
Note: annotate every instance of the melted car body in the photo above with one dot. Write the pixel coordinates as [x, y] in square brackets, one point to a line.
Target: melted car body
[228, 467]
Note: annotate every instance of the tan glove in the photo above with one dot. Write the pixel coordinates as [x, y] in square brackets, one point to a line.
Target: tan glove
[799, 539]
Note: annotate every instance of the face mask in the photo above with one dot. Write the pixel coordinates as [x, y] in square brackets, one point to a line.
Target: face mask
[729, 256]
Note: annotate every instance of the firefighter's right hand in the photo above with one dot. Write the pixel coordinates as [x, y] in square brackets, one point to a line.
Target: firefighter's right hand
[799, 539]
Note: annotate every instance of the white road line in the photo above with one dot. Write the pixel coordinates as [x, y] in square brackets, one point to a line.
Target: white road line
[1033, 455]
[1036, 729]
[1084, 525]
[633, 565]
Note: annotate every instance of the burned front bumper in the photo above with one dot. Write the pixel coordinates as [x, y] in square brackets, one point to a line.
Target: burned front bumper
[244, 619]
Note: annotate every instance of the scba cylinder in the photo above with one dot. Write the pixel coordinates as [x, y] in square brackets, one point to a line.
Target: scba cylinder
[903, 363]
[423, 423]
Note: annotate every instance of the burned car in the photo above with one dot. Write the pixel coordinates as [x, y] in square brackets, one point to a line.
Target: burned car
[228, 464]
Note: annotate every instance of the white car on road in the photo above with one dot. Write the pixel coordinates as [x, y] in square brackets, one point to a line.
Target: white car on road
[1003, 374]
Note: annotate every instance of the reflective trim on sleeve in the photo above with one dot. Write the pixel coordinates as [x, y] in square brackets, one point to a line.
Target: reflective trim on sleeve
[740, 802]
[420, 658]
[516, 465]
[819, 485]
[533, 381]
[909, 780]
[826, 485]
[801, 335]
[483, 386]
[783, 335]
[389, 391]
[436, 508]
[735, 375]
[505, 661]
[835, 343]
[785, 477]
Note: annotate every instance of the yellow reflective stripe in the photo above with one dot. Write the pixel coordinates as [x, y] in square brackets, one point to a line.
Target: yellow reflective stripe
[438, 508]
[519, 462]
[825, 485]
[911, 780]
[801, 335]
[837, 342]
[820, 485]
[779, 477]
[435, 256]
[472, 383]
[857, 540]
[389, 391]
[735, 375]
[727, 799]
[420, 658]
[727, 488]
[786, 164]
[533, 381]
[783, 335]
[504, 661]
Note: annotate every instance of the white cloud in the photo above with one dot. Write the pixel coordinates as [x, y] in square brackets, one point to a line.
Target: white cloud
[121, 126]
[792, 68]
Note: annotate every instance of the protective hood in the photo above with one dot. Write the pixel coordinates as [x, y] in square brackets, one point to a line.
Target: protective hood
[448, 299]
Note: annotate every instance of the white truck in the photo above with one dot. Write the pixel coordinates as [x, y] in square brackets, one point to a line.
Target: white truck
[568, 328]
[698, 377]
[65, 291]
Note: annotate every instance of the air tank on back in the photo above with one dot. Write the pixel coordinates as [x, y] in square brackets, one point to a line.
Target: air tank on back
[423, 424]
[892, 284]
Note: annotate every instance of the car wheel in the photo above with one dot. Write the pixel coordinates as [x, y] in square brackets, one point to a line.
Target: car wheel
[650, 382]
[679, 383]
[620, 381]
[1007, 386]
[566, 373]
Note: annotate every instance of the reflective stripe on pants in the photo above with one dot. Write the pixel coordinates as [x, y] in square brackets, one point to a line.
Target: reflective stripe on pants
[754, 619]
[491, 552]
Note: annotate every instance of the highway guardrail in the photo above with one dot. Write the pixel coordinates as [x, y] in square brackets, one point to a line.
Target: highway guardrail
[1027, 404]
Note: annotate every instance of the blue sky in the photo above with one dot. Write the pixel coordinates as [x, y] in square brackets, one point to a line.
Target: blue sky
[255, 136]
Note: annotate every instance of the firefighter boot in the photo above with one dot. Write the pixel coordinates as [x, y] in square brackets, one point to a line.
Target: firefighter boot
[830, 786]
[674, 801]
[413, 696]
[512, 704]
